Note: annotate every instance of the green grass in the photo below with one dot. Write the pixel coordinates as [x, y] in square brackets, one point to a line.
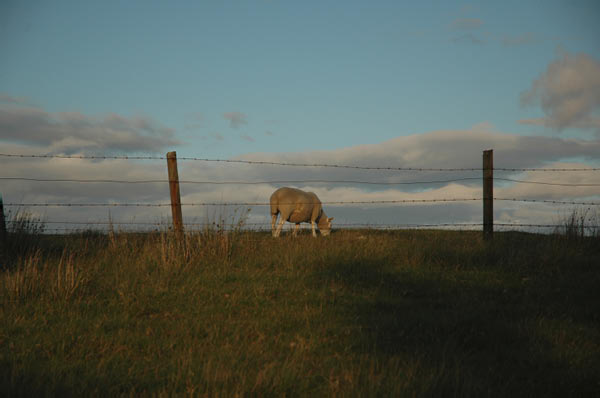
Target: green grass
[361, 313]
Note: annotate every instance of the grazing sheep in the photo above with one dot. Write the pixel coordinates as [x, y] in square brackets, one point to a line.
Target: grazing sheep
[296, 206]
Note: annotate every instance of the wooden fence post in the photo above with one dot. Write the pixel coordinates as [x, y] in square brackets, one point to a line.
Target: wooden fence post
[2, 222]
[174, 190]
[488, 194]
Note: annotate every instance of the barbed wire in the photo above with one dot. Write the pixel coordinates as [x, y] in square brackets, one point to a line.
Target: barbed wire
[399, 201]
[559, 202]
[311, 181]
[265, 227]
[195, 226]
[497, 224]
[12, 155]
[93, 180]
[338, 227]
[291, 164]
[267, 224]
[545, 183]
[546, 169]
[218, 224]
[241, 182]
[234, 203]
[88, 222]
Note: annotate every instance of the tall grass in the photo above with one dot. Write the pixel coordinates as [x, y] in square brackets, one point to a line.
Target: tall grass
[362, 313]
[24, 231]
[579, 224]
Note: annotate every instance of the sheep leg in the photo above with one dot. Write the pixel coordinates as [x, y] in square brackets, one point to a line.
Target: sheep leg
[273, 222]
[279, 227]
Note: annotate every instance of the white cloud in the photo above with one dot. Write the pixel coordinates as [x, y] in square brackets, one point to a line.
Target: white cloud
[446, 148]
[568, 92]
[543, 183]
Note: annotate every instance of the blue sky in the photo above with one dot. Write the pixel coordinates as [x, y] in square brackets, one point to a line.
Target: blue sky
[301, 75]
[401, 84]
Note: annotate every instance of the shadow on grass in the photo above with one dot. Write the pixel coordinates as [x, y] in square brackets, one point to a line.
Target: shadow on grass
[474, 333]
[31, 385]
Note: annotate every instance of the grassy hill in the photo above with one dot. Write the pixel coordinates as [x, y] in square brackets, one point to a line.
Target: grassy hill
[361, 313]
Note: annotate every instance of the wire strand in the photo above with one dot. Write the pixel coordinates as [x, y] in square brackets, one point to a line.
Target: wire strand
[233, 203]
[291, 181]
[560, 202]
[273, 163]
[239, 182]
[264, 227]
[546, 183]
[409, 201]
[268, 223]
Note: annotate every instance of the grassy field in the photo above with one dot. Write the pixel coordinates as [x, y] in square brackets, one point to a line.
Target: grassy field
[360, 313]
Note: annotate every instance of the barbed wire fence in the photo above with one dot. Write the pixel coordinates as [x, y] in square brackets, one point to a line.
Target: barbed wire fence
[66, 226]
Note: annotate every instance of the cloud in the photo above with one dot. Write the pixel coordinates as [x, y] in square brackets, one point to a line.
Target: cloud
[438, 149]
[442, 149]
[467, 23]
[587, 123]
[9, 99]
[568, 92]
[236, 119]
[246, 137]
[72, 132]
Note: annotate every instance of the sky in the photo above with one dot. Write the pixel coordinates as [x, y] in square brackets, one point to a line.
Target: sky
[426, 84]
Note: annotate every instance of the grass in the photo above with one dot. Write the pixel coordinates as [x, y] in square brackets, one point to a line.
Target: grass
[580, 223]
[360, 313]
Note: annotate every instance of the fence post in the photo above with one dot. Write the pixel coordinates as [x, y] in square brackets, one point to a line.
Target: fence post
[174, 190]
[488, 194]
[2, 222]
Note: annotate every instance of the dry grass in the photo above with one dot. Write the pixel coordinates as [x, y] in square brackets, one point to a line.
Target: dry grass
[580, 223]
[362, 313]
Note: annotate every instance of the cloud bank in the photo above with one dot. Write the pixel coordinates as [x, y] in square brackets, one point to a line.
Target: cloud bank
[74, 132]
[9, 99]
[439, 149]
